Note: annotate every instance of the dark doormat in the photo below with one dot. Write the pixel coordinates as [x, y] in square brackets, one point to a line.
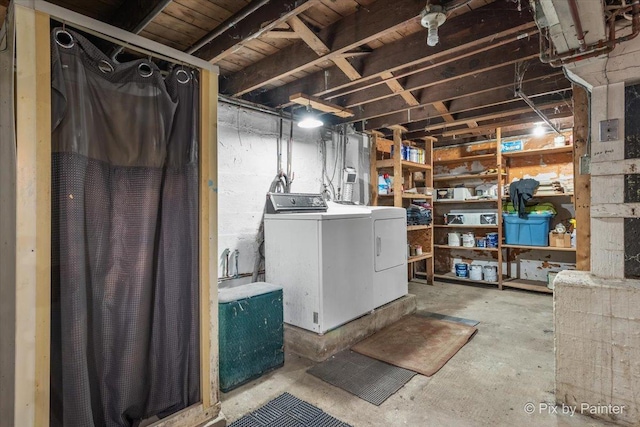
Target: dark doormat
[421, 344]
[288, 411]
[464, 321]
[362, 376]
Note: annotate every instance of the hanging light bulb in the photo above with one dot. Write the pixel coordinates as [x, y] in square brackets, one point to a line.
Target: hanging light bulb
[538, 130]
[310, 120]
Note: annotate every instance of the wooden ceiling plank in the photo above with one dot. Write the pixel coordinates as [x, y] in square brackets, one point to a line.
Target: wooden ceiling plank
[263, 20]
[133, 15]
[458, 106]
[308, 36]
[347, 34]
[480, 29]
[192, 16]
[320, 105]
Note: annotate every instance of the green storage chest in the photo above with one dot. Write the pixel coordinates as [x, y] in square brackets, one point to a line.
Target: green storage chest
[251, 332]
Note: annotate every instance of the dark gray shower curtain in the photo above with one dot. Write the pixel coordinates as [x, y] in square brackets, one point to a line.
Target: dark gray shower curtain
[125, 336]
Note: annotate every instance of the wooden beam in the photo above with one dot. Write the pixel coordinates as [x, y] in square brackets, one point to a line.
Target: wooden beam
[582, 182]
[267, 18]
[502, 95]
[442, 109]
[353, 31]
[281, 34]
[396, 87]
[308, 36]
[483, 28]
[321, 105]
[493, 112]
[133, 15]
[511, 53]
[346, 67]
[474, 84]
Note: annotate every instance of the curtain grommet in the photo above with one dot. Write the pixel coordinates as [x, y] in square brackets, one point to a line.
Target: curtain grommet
[68, 44]
[105, 67]
[145, 70]
[184, 79]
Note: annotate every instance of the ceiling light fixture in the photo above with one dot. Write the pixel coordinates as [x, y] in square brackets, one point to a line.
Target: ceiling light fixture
[432, 16]
[310, 120]
[538, 130]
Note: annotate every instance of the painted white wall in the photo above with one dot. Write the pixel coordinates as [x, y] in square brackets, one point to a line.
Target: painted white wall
[247, 148]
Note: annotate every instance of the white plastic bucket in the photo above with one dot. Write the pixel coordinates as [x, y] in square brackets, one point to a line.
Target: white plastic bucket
[468, 240]
[490, 273]
[454, 239]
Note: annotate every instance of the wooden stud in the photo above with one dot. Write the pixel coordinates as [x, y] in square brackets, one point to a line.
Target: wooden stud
[396, 87]
[320, 105]
[500, 178]
[281, 34]
[397, 167]
[582, 183]
[33, 218]
[373, 170]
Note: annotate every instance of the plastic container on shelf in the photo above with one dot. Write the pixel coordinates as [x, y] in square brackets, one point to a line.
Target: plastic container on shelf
[532, 230]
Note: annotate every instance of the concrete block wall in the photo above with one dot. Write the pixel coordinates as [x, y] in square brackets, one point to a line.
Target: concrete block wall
[597, 334]
[247, 164]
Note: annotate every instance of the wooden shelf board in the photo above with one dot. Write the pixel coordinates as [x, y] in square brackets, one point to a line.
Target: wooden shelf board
[466, 177]
[548, 195]
[466, 159]
[452, 276]
[466, 226]
[475, 248]
[418, 227]
[539, 248]
[455, 202]
[409, 196]
[540, 152]
[419, 258]
[529, 285]
[406, 165]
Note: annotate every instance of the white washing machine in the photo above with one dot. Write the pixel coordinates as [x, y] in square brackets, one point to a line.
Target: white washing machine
[321, 259]
[335, 262]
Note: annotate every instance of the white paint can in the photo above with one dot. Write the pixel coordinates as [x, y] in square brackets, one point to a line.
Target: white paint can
[475, 272]
[490, 273]
[468, 240]
[454, 239]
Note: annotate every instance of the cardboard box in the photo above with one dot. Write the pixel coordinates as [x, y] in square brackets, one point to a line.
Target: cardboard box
[558, 240]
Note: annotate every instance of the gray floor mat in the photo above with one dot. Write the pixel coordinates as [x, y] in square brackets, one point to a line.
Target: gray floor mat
[362, 376]
[288, 411]
[439, 316]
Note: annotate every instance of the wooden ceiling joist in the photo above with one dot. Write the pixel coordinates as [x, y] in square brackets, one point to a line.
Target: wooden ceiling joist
[541, 86]
[321, 105]
[267, 18]
[487, 24]
[349, 33]
[134, 15]
[395, 86]
[500, 77]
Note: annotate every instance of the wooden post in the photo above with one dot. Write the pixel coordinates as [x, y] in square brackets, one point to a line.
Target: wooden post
[373, 170]
[500, 234]
[582, 183]
[33, 218]
[397, 167]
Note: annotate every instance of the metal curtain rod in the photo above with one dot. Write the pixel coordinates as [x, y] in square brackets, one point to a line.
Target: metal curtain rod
[116, 35]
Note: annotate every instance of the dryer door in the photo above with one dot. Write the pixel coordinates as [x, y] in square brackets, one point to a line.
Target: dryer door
[390, 240]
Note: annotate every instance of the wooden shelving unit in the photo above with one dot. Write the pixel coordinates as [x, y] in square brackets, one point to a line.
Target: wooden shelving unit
[402, 172]
[505, 253]
[490, 161]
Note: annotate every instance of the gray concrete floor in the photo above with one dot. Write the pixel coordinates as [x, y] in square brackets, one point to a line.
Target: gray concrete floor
[487, 383]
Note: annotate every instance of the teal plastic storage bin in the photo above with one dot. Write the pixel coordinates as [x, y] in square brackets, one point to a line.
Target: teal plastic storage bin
[251, 332]
[533, 230]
